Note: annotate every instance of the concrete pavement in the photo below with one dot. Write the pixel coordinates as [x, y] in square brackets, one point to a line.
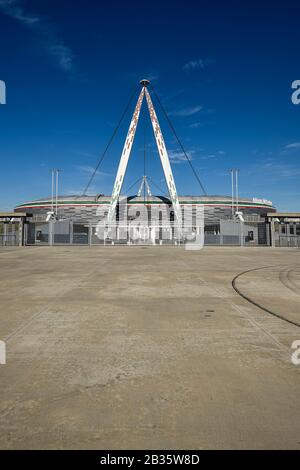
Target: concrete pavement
[148, 347]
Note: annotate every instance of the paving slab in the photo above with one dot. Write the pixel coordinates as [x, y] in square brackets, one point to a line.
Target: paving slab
[149, 347]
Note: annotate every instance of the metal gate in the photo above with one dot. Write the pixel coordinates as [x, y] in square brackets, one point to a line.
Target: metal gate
[9, 234]
[292, 241]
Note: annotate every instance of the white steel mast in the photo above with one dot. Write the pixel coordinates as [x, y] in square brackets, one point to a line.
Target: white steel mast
[164, 160]
[124, 159]
[162, 153]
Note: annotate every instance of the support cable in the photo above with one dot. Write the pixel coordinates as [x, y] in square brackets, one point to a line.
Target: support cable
[110, 141]
[157, 187]
[130, 187]
[144, 159]
[178, 140]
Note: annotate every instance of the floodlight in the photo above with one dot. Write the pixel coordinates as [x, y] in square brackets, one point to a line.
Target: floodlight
[239, 215]
[50, 216]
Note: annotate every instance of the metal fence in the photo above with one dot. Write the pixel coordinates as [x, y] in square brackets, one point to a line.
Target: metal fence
[291, 241]
[8, 240]
[68, 232]
[220, 239]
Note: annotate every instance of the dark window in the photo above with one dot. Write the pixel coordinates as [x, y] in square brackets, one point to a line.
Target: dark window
[250, 235]
[39, 235]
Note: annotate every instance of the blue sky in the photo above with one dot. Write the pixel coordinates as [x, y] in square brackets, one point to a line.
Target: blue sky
[222, 69]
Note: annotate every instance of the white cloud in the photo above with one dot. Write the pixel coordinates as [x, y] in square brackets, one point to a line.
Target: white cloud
[87, 154]
[197, 124]
[290, 148]
[176, 156]
[63, 54]
[152, 77]
[12, 9]
[293, 146]
[54, 46]
[90, 170]
[187, 111]
[208, 157]
[218, 153]
[281, 170]
[197, 64]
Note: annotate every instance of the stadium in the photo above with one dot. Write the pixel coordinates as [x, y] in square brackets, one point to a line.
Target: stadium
[79, 215]
[84, 209]
[156, 219]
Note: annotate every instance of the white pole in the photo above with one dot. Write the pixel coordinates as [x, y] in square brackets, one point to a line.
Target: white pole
[56, 196]
[232, 194]
[52, 199]
[237, 189]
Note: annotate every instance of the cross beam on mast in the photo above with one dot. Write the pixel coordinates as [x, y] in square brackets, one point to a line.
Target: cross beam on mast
[161, 150]
[145, 185]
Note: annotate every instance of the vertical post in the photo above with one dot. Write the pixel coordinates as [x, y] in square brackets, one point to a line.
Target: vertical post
[13, 233]
[50, 232]
[21, 234]
[237, 189]
[56, 192]
[288, 233]
[272, 233]
[5, 234]
[52, 184]
[25, 232]
[71, 232]
[232, 193]
[90, 233]
[241, 233]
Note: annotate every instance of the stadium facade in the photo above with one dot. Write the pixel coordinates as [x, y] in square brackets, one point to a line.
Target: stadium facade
[85, 209]
[79, 216]
[141, 218]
